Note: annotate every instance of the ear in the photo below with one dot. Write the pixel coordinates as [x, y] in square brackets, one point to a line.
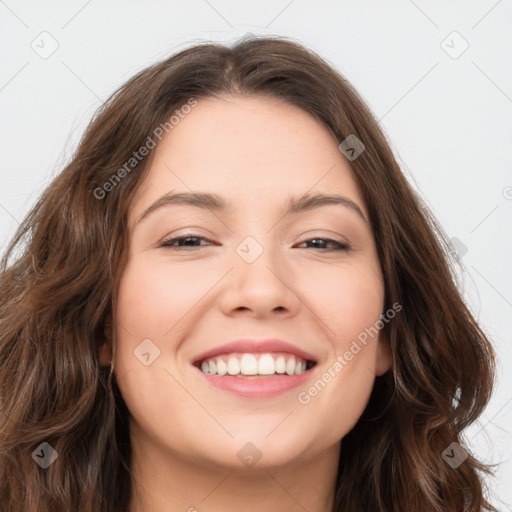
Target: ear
[106, 347]
[384, 359]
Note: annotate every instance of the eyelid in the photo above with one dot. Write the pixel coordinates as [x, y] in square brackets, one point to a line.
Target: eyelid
[182, 234]
[173, 238]
[325, 234]
[339, 245]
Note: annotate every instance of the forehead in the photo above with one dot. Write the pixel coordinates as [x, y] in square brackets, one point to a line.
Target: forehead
[255, 151]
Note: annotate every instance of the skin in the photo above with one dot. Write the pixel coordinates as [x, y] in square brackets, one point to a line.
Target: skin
[256, 153]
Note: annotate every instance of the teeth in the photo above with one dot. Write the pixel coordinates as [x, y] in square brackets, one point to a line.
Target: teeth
[248, 365]
[222, 367]
[290, 366]
[280, 364]
[254, 364]
[266, 365]
[233, 366]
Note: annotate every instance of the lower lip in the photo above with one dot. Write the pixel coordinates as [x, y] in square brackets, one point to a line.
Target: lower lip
[257, 388]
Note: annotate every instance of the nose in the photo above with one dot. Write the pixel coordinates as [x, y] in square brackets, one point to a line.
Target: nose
[263, 288]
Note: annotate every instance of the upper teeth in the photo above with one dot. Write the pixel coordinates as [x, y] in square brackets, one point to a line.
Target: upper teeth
[254, 364]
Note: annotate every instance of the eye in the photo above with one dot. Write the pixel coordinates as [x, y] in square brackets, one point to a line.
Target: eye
[322, 243]
[187, 241]
[193, 241]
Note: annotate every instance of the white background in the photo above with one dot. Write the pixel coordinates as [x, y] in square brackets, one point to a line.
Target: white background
[449, 120]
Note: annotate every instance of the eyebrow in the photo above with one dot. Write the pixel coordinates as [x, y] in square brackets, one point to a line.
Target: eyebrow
[217, 203]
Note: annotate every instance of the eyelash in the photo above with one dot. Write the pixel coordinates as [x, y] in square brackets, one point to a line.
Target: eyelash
[339, 246]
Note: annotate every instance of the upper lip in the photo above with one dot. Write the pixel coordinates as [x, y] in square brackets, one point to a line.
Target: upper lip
[255, 347]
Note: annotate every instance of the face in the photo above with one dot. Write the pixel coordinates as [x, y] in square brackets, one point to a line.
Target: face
[200, 276]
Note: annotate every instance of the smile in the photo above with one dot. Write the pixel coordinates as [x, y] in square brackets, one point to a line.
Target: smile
[255, 375]
[247, 365]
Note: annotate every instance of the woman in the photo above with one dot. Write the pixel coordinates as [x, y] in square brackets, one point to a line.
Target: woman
[231, 297]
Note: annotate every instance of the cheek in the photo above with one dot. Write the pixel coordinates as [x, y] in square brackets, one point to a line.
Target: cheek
[347, 299]
[151, 301]
[349, 302]
[153, 298]
[157, 301]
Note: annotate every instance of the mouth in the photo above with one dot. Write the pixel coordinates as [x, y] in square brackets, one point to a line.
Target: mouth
[256, 376]
[255, 365]
[256, 369]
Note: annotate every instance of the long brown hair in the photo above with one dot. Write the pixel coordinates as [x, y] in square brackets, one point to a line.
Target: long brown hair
[58, 293]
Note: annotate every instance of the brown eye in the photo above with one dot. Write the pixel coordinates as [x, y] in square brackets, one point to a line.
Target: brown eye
[326, 244]
[188, 241]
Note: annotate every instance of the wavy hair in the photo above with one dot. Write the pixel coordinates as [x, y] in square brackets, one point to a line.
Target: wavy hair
[60, 274]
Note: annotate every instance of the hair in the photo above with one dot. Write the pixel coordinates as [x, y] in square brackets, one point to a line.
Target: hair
[60, 275]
